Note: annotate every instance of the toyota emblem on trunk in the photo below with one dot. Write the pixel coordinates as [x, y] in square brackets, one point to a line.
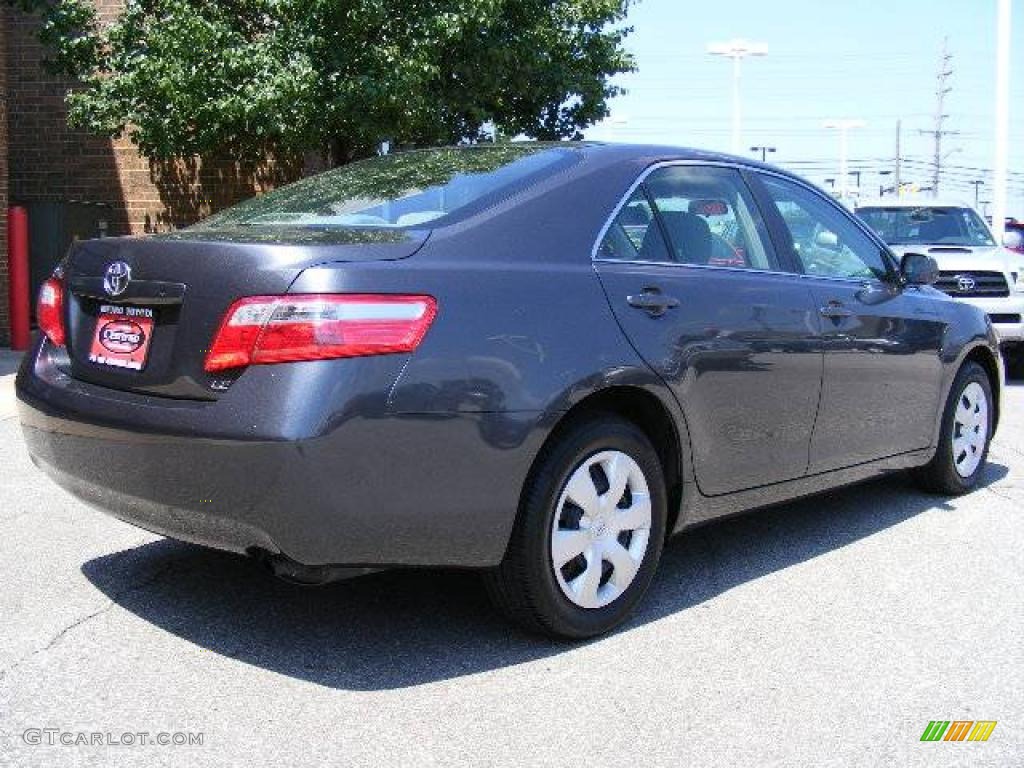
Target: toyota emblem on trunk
[116, 278]
[965, 283]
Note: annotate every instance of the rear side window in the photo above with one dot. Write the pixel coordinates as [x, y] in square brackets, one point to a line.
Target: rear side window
[635, 235]
[691, 215]
[405, 190]
[710, 217]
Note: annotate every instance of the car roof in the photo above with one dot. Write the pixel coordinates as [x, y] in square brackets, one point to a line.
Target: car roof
[645, 155]
[913, 202]
[665, 153]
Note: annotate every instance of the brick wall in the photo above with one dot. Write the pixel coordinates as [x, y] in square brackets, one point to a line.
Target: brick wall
[48, 162]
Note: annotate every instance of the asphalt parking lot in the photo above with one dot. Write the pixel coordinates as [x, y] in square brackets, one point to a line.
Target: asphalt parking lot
[825, 632]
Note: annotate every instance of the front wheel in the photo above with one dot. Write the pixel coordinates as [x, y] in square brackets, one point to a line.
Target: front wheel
[589, 533]
[964, 439]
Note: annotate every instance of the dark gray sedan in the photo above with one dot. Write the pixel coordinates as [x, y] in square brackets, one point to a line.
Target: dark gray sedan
[534, 360]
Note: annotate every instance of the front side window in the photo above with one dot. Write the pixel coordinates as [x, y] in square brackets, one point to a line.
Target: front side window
[927, 225]
[691, 215]
[825, 240]
[404, 190]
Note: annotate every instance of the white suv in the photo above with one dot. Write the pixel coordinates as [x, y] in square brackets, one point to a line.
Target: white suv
[973, 267]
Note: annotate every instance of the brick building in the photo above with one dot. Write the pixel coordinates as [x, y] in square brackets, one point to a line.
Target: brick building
[78, 185]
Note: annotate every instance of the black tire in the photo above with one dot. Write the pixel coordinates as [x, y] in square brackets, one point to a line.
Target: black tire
[524, 587]
[940, 474]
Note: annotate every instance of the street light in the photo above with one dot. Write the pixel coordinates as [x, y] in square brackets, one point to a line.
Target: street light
[882, 189]
[737, 50]
[844, 127]
[977, 183]
[764, 151]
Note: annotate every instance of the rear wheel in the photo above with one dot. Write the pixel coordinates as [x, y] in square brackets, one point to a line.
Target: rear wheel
[589, 533]
[965, 435]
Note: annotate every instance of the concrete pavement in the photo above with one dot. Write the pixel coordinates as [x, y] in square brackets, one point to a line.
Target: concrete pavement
[825, 632]
[9, 362]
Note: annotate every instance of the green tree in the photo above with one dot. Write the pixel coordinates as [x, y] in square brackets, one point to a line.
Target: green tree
[187, 77]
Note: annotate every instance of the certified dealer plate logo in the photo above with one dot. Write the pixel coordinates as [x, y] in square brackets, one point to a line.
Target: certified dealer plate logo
[115, 279]
[121, 336]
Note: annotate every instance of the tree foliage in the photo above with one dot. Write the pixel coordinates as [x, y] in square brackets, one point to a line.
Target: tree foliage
[183, 77]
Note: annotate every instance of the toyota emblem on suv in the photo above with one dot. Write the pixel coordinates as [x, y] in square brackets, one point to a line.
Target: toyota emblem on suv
[116, 278]
[965, 283]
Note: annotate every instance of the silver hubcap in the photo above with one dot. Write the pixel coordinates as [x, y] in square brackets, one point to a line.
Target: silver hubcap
[970, 429]
[601, 529]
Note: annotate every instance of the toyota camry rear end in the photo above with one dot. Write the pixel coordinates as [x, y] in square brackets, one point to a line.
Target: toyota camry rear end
[290, 378]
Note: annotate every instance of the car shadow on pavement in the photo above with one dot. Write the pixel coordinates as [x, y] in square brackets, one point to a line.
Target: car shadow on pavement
[10, 361]
[405, 628]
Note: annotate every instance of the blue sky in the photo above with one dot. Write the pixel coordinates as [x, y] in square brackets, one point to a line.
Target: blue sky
[871, 60]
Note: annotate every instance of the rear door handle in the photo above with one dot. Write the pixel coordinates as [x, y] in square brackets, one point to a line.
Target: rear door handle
[653, 301]
[835, 310]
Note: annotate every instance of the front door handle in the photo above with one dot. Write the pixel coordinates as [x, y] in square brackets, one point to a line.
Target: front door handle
[835, 310]
[652, 301]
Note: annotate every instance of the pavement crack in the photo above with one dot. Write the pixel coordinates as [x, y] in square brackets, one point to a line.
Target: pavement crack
[11, 518]
[1002, 496]
[152, 579]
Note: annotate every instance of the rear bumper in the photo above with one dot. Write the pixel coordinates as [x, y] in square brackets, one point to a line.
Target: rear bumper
[346, 484]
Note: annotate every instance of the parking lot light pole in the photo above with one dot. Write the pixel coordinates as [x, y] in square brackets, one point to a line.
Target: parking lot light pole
[737, 50]
[844, 127]
[1002, 121]
[881, 185]
[764, 152]
[977, 183]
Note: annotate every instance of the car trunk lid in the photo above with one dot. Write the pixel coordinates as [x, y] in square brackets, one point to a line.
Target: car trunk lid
[168, 295]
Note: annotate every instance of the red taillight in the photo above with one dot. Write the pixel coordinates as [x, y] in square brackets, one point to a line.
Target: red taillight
[278, 329]
[50, 311]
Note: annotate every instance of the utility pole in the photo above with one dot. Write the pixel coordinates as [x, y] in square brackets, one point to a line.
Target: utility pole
[844, 127]
[941, 89]
[764, 152]
[1002, 121]
[896, 173]
[737, 50]
[977, 183]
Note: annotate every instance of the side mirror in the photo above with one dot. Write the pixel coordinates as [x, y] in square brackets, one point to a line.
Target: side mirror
[918, 269]
[1014, 240]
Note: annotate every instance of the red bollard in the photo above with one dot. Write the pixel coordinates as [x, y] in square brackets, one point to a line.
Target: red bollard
[17, 275]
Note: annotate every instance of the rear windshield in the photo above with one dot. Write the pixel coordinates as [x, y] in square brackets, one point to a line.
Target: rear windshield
[418, 189]
[927, 225]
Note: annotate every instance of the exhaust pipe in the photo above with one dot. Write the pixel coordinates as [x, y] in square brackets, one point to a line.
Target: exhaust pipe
[286, 569]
